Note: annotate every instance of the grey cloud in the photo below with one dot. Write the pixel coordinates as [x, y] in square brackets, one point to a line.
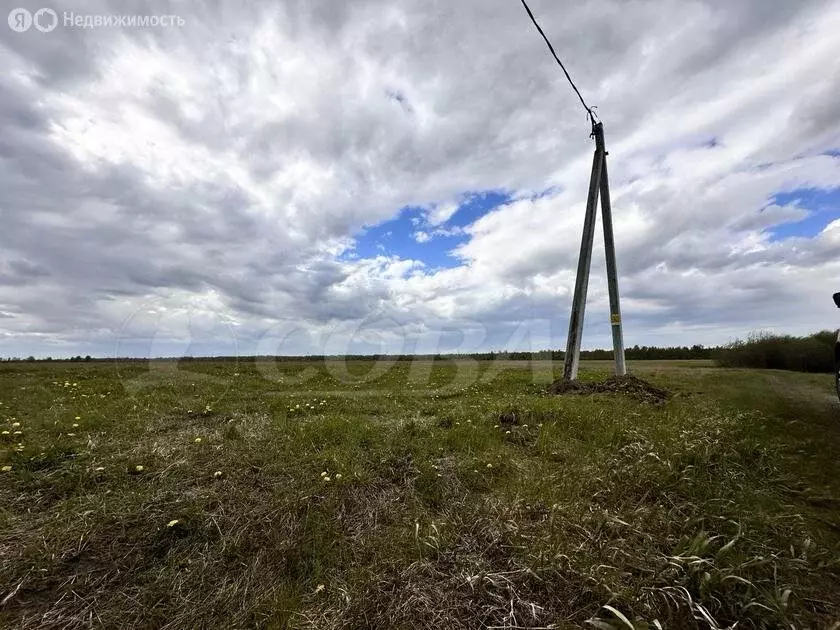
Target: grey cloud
[286, 144]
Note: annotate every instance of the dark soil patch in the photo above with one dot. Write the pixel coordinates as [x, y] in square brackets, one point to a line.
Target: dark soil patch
[630, 385]
[508, 418]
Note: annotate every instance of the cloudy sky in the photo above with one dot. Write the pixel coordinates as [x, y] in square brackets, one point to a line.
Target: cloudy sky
[319, 175]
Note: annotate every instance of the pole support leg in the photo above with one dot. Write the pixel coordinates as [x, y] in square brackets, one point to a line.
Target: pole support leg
[598, 183]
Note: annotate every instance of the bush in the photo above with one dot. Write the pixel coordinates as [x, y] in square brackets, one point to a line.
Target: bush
[814, 353]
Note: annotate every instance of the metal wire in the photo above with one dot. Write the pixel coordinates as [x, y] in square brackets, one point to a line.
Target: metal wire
[588, 109]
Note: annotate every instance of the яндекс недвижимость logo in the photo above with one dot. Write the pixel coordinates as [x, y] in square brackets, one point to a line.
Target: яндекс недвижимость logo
[44, 20]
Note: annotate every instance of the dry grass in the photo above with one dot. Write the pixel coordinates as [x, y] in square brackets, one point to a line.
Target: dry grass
[487, 505]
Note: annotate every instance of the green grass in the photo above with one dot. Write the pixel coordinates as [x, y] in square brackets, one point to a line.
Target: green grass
[720, 506]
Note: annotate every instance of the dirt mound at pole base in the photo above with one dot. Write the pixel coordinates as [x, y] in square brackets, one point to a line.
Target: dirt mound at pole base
[630, 385]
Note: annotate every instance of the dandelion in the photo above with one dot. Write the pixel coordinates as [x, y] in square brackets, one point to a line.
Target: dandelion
[197, 440]
[18, 433]
[319, 588]
[338, 476]
[173, 522]
[495, 426]
[217, 474]
[139, 468]
[6, 468]
[327, 479]
[324, 474]
[507, 432]
[71, 435]
[5, 433]
[75, 425]
[75, 384]
[15, 424]
[489, 465]
[297, 406]
[78, 418]
[99, 469]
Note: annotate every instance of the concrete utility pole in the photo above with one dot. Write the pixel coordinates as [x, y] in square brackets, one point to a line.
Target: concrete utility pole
[598, 182]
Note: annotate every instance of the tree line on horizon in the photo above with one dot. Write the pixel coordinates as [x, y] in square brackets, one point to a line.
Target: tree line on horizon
[636, 352]
[811, 353]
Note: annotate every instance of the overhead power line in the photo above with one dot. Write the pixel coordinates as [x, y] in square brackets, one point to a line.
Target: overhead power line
[599, 186]
[588, 109]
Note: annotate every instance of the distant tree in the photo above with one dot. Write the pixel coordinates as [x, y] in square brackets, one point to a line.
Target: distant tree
[87, 357]
[30, 358]
[781, 352]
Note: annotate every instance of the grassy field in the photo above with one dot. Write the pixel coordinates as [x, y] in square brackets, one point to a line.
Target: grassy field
[445, 495]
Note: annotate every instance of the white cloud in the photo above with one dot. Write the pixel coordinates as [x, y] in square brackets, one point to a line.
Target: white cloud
[227, 168]
[441, 213]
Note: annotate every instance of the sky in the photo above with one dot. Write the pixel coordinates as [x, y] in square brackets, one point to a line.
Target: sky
[319, 176]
